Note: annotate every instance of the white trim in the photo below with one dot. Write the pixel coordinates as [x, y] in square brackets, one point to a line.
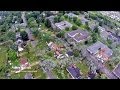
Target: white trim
[70, 74]
[116, 68]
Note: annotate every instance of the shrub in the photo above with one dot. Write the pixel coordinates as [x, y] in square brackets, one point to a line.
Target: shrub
[74, 27]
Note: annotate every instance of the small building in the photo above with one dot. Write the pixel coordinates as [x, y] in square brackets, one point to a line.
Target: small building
[63, 25]
[28, 76]
[77, 35]
[100, 51]
[69, 53]
[74, 72]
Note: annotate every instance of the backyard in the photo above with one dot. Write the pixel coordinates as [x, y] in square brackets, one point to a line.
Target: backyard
[36, 71]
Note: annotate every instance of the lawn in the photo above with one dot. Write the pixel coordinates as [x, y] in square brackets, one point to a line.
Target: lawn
[3, 56]
[36, 71]
[61, 73]
[109, 66]
[83, 68]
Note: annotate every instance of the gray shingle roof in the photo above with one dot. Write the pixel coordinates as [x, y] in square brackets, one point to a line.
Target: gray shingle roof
[74, 71]
[78, 35]
[63, 24]
[95, 47]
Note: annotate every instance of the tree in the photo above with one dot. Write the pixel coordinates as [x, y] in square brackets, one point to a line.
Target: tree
[47, 23]
[46, 37]
[86, 42]
[62, 12]
[32, 22]
[94, 37]
[76, 53]
[66, 16]
[76, 12]
[78, 22]
[35, 32]
[11, 35]
[61, 34]
[96, 30]
[74, 19]
[61, 18]
[31, 19]
[12, 55]
[74, 27]
[50, 53]
[67, 28]
[24, 35]
[55, 19]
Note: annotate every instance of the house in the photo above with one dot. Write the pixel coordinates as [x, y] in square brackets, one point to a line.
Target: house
[63, 25]
[77, 35]
[74, 72]
[57, 49]
[51, 19]
[71, 15]
[108, 34]
[100, 51]
[28, 76]
[83, 19]
[103, 33]
[116, 71]
[24, 63]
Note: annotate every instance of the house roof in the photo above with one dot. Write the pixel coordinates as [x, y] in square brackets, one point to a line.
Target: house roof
[63, 24]
[72, 15]
[78, 35]
[51, 18]
[70, 53]
[116, 71]
[23, 60]
[28, 76]
[95, 47]
[74, 72]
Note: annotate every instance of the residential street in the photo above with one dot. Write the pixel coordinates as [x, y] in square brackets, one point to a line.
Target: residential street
[101, 66]
[33, 43]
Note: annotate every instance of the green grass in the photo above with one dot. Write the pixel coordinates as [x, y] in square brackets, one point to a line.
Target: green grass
[83, 68]
[61, 73]
[3, 56]
[35, 70]
[108, 66]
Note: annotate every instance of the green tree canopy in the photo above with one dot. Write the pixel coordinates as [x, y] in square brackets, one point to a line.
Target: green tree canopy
[24, 35]
[74, 27]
